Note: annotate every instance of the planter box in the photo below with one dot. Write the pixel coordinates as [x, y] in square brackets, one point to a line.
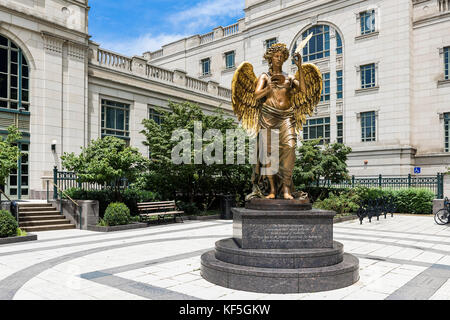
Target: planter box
[346, 218]
[212, 217]
[29, 237]
[136, 225]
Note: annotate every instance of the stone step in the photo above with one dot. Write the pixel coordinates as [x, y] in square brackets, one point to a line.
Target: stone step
[33, 204]
[44, 223]
[41, 218]
[39, 213]
[49, 228]
[26, 209]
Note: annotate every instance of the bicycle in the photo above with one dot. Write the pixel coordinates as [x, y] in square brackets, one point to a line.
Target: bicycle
[442, 216]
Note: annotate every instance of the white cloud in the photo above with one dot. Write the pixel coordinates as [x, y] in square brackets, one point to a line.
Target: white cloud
[207, 14]
[143, 43]
[203, 15]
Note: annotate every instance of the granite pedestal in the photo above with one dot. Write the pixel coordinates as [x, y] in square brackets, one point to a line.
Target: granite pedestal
[280, 246]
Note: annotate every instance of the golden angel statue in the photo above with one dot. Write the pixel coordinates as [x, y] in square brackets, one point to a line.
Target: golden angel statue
[276, 102]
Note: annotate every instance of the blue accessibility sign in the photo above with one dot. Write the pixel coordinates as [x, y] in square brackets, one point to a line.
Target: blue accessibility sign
[417, 170]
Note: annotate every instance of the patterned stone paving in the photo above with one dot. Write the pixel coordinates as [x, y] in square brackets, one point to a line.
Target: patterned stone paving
[405, 257]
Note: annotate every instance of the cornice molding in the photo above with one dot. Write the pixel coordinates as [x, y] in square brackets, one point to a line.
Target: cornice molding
[42, 21]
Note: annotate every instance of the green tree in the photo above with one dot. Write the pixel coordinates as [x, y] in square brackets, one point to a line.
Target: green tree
[201, 182]
[106, 161]
[9, 153]
[315, 161]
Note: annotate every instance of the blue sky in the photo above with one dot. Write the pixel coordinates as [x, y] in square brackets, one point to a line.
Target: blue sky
[131, 27]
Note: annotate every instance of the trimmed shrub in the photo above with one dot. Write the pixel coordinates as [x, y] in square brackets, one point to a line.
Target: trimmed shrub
[8, 224]
[130, 197]
[117, 214]
[342, 204]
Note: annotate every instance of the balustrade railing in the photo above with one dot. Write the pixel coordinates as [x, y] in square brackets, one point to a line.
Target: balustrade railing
[196, 84]
[224, 92]
[159, 73]
[207, 38]
[230, 30]
[113, 60]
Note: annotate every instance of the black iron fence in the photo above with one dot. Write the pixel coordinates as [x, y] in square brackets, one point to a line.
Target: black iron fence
[66, 180]
[433, 183]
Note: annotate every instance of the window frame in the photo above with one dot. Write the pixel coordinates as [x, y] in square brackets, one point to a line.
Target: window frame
[340, 129]
[373, 126]
[339, 86]
[373, 78]
[268, 41]
[106, 131]
[21, 76]
[326, 97]
[446, 63]
[447, 132]
[202, 62]
[326, 46]
[153, 113]
[227, 54]
[363, 28]
[311, 124]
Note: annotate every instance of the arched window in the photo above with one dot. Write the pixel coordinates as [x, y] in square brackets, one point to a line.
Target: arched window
[14, 77]
[319, 45]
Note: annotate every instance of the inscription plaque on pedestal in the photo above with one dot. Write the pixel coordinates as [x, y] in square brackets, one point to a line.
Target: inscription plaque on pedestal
[254, 229]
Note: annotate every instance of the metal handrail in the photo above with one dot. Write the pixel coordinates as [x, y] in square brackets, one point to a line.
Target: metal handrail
[73, 201]
[5, 195]
[64, 193]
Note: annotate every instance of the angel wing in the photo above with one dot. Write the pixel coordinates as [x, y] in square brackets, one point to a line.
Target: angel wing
[305, 103]
[245, 105]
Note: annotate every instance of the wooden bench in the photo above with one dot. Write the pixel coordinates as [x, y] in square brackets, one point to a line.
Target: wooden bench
[159, 209]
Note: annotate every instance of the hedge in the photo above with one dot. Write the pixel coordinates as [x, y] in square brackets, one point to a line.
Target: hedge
[411, 200]
[130, 197]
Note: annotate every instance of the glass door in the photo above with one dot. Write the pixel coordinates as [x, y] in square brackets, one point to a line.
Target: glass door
[17, 185]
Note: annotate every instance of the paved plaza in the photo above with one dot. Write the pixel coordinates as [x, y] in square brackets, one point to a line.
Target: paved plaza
[405, 257]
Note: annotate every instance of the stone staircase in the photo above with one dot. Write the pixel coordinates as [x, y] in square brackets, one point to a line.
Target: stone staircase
[35, 217]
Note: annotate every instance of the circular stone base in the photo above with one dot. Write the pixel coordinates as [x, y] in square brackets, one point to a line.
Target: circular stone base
[269, 280]
[278, 205]
[228, 251]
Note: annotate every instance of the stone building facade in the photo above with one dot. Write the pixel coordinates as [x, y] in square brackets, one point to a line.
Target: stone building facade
[62, 89]
[385, 66]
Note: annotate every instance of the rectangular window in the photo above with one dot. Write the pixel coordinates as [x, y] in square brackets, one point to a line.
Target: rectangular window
[326, 88]
[115, 119]
[368, 76]
[447, 131]
[446, 62]
[367, 20]
[154, 115]
[206, 66]
[368, 126]
[229, 59]
[340, 129]
[270, 42]
[340, 84]
[317, 129]
[338, 43]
